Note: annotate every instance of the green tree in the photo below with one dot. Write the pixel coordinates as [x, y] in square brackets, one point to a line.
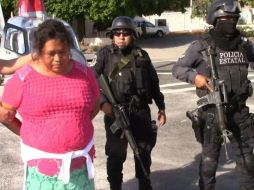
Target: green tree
[248, 2]
[67, 9]
[103, 11]
[199, 7]
[8, 6]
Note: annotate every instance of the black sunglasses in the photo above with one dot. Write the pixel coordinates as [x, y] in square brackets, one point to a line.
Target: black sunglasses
[122, 32]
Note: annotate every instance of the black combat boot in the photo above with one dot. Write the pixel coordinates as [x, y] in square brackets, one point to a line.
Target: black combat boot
[144, 184]
[115, 186]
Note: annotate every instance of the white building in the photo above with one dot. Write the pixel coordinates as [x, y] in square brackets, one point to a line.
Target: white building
[178, 21]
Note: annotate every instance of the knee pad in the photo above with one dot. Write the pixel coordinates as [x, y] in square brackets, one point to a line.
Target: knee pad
[208, 166]
[246, 164]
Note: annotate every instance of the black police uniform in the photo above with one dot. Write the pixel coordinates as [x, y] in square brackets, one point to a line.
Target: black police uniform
[233, 56]
[135, 86]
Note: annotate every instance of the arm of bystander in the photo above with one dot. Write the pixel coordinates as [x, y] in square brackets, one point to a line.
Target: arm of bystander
[10, 66]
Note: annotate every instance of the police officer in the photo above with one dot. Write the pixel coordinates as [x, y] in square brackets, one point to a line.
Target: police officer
[134, 83]
[232, 54]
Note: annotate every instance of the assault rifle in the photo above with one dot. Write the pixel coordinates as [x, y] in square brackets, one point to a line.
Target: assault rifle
[122, 121]
[217, 97]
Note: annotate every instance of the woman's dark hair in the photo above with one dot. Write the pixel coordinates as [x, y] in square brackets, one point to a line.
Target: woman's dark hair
[48, 30]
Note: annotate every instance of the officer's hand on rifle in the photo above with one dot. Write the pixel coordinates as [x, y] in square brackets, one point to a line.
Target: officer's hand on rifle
[202, 81]
[107, 109]
[161, 117]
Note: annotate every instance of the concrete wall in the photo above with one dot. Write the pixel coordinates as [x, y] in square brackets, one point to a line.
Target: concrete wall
[177, 21]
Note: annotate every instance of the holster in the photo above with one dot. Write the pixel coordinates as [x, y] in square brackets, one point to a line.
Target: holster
[196, 124]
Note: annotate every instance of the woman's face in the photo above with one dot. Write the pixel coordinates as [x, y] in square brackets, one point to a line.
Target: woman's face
[55, 56]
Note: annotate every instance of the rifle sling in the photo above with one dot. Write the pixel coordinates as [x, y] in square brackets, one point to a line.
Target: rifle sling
[130, 58]
[119, 66]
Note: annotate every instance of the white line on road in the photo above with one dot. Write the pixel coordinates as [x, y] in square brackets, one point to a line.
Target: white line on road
[173, 84]
[178, 90]
[168, 91]
[170, 73]
[164, 61]
[164, 73]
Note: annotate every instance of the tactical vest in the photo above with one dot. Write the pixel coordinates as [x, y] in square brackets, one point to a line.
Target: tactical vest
[232, 67]
[128, 75]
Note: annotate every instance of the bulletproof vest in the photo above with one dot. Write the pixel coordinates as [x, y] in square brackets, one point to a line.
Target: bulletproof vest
[232, 67]
[128, 75]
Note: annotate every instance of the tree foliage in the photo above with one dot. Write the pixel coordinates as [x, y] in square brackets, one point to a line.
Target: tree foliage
[103, 12]
[67, 9]
[248, 2]
[8, 6]
[200, 7]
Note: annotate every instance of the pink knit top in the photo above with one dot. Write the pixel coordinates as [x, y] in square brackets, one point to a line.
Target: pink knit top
[55, 110]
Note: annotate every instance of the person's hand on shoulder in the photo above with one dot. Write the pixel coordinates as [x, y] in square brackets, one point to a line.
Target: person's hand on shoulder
[10, 66]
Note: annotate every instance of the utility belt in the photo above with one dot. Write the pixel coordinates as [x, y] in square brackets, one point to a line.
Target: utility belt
[205, 124]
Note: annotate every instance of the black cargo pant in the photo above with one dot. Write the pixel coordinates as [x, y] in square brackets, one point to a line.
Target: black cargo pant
[116, 149]
[240, 123]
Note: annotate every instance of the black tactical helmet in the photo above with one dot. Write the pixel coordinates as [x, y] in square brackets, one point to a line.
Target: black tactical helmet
[123, 22]
[220, 8]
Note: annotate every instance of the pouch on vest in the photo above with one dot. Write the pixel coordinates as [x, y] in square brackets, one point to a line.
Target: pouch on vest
[142, 78]
[123, 84]
[122, 79]
[196, 124]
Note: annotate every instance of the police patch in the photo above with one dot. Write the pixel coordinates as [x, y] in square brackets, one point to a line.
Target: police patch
[231, 57]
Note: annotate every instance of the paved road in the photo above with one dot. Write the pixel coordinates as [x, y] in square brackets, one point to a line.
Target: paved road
[175, 158]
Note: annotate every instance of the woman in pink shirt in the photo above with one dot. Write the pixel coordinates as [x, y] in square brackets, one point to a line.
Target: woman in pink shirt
[56, 98]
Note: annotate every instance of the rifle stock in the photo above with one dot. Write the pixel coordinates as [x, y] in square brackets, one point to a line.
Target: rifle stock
[121, 120]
